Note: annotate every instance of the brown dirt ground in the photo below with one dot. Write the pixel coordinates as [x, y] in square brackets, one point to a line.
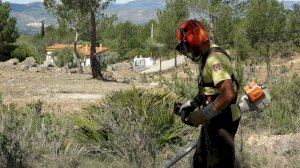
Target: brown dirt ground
[63, 92]
[60, 92]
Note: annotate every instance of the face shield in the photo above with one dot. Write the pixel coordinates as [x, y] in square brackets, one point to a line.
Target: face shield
[184, 48]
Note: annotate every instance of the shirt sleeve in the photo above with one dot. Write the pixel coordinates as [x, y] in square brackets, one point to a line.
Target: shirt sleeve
[219, 68]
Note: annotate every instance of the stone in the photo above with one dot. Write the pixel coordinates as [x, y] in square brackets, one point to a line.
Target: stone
[13, 61]
[38, 69]
[28, 63]
[57, 70]
[65, 69]
[33, 69]
[49, 64]
[73, 70]
[127, 80]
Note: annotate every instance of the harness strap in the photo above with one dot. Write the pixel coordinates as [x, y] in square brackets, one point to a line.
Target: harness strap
[210, 51]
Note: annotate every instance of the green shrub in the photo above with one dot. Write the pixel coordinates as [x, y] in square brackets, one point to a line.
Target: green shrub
[25, 49]
[112, 57]
[29, 138]
[136, 52]
[132, 125]
[63, 57]
[187, 88]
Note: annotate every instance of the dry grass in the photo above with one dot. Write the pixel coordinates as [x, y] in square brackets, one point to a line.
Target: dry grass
[60, 92]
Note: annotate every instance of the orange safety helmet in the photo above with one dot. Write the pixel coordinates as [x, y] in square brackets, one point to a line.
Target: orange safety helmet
[191, 35]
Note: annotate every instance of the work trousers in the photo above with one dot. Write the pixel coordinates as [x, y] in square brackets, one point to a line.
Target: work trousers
[215, 148]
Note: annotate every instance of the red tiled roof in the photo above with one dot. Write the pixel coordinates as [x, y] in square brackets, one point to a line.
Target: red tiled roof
[83, 49]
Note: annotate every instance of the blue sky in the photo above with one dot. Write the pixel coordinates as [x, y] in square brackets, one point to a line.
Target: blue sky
[28, 1]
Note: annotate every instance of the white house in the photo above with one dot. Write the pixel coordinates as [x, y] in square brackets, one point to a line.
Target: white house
[141, 63]
[83, 49]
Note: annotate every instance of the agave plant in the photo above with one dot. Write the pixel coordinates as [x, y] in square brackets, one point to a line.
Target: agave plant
[132, 124]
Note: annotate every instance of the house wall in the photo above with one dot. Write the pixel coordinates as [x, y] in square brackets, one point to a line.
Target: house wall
[142, 63]
[49, 57]
[147, 62]
[87, 62]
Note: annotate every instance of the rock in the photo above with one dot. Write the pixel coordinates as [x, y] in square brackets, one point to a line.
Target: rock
[57, 70]
[65, 69]
[109, 76]
[113, 68]
[118, 79]
[120, 66]
[109, 68]
[127, 80]
[32, 69]
[23, 67]
[73, 70]
[13, 61]
[38, 69]
[28, 63]
[49, 64]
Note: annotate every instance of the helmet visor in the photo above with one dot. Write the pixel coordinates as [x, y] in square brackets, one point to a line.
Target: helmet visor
[184, 49]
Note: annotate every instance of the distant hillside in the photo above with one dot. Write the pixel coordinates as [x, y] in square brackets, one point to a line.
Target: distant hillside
[289, 4]
[30, 15]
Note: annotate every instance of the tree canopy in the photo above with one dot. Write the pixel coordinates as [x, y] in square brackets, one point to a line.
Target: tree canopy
[8, 29]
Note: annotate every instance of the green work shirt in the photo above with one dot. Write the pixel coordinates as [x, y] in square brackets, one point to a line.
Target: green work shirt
[218, 68]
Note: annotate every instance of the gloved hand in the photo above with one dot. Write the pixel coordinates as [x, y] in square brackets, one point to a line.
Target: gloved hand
[203, 115]
[189, 106]
[184, 110]
[177, 107]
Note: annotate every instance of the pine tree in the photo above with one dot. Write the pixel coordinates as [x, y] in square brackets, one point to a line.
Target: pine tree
[8, 30]
[265, 27]
[42, 29]
[175, 12]
[93, 9]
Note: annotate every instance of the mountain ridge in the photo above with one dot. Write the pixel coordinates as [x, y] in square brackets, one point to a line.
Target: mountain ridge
[29, 16]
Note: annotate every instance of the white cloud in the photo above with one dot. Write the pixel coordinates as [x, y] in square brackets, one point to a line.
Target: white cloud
[123, 1]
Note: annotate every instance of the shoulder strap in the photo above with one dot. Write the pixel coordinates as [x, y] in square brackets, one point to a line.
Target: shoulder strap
[210, 51]
[213, 50]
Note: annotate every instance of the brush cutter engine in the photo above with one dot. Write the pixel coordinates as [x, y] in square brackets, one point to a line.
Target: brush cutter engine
[256, 97]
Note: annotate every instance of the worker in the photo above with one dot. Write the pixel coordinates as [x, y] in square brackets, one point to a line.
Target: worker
[214, 105]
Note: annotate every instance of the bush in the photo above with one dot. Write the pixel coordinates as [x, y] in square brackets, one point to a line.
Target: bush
[112, 57]
[29, 138]
[132, 126]
[136, 52]
[25, 49]
[63, 57]
[186, 89]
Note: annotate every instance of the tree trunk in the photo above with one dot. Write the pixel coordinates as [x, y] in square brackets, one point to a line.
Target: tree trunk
[175, 59]
[269, 71]
[95, 64]
[159, 64]
[212, 26]
[75, 54]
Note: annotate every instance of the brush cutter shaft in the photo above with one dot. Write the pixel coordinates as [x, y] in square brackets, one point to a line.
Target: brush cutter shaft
[181, 154]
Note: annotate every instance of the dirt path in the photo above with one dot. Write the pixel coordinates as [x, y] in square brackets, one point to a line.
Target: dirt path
[165, 65]
[60, 92]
